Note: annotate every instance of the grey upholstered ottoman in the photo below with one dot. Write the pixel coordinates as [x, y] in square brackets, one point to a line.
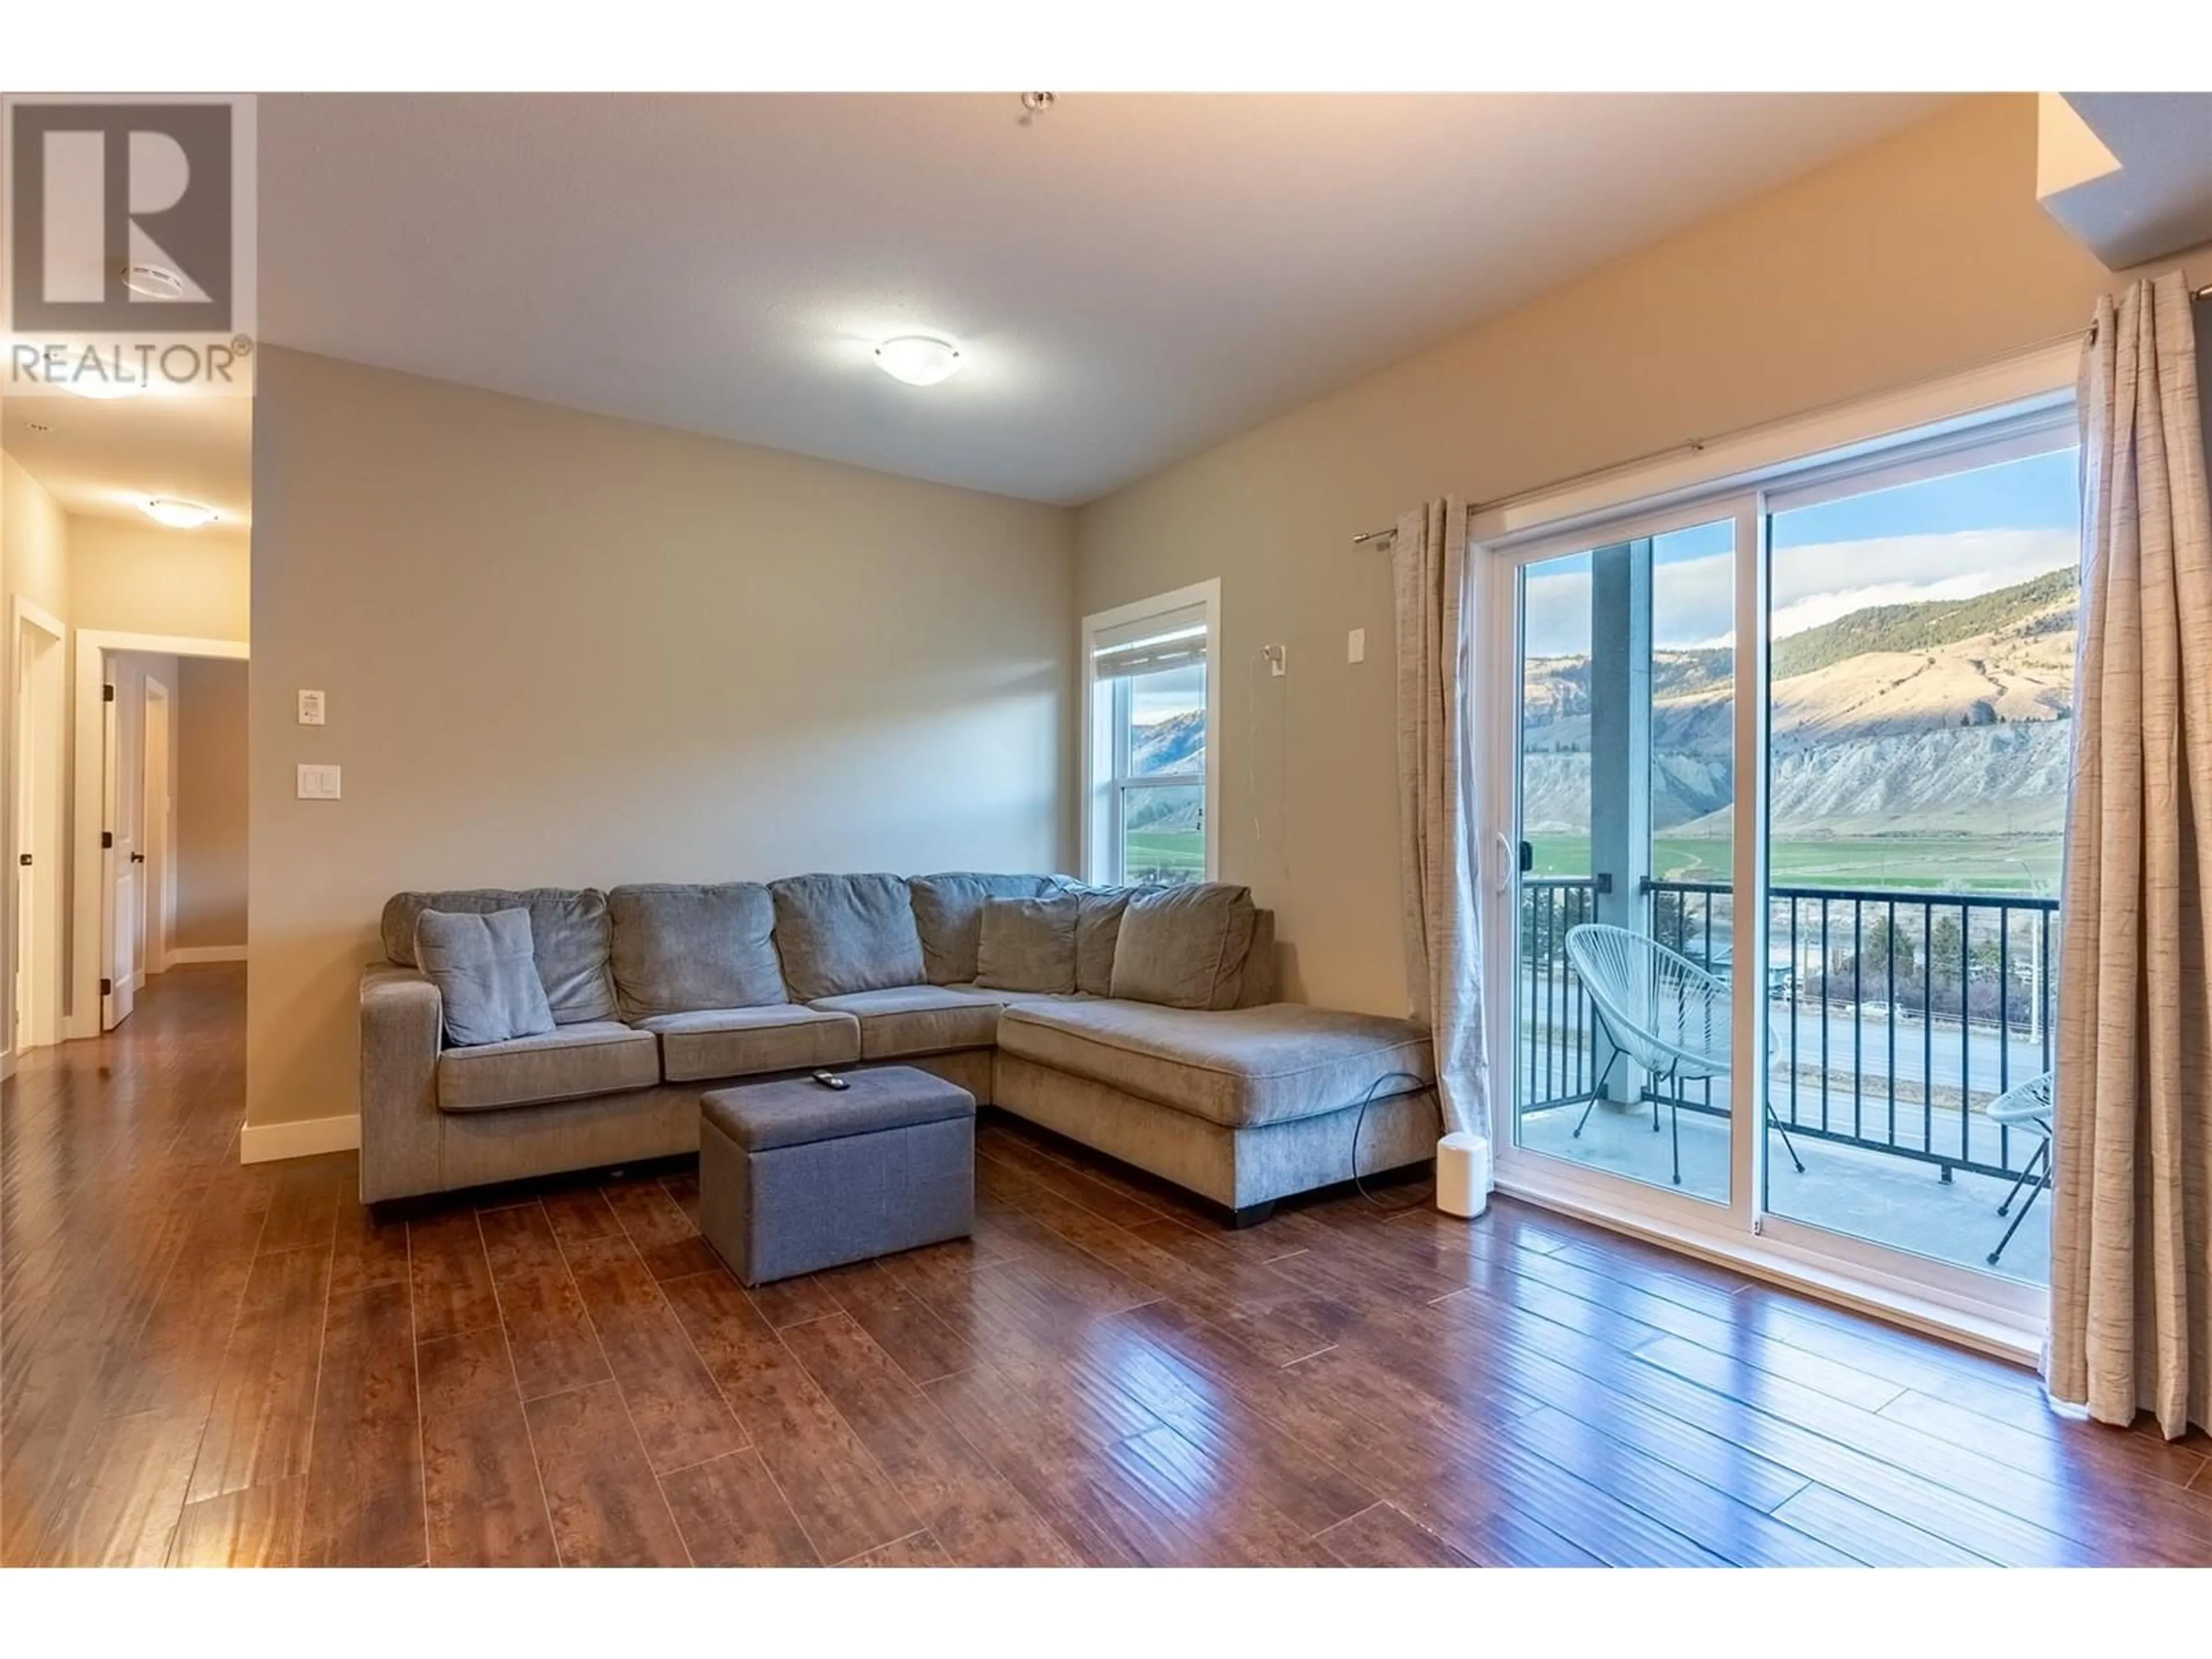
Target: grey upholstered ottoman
[795, 1176]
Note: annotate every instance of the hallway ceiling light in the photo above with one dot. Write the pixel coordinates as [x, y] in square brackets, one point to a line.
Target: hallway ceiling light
[178, 515]
[918, 359]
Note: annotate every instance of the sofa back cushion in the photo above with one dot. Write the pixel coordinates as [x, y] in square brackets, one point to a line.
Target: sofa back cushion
[486, 975]
[570, 937]
[1184, 947]
[838, 935]
[680, 947]
[1097, 928]
[948, 913]
[1029, 944]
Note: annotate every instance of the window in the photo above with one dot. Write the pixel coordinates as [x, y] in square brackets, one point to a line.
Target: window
[1150, 778]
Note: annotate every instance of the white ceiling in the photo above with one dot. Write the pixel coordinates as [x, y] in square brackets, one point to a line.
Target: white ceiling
[1131, 278]
[105, 460]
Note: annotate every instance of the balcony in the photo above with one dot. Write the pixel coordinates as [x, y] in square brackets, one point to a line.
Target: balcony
[1895, 1016]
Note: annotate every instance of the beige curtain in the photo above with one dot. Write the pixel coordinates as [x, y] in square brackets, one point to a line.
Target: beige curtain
[1437, 863]
[2131, 1220]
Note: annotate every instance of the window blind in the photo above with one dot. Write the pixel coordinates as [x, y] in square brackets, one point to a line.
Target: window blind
[1174, 638]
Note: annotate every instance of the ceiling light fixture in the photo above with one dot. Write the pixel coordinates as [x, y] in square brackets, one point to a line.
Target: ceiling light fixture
[153, 282]
[918, 359]
[101, 389]
[178, 514]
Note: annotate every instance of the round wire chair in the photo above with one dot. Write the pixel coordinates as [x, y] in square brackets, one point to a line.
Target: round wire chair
[2025, 1106]
[1663, 1012]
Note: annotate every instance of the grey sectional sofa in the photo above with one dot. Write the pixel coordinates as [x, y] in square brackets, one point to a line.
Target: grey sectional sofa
[661, 993]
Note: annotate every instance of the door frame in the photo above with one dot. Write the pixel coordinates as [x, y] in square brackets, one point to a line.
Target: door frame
[89, 884]
[157, 831]
[1998, 1315]
[37, 747]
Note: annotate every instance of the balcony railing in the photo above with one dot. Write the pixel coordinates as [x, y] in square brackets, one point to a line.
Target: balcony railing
[1894, 1015]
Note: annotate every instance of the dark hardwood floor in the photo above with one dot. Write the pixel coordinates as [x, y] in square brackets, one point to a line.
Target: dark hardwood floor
[206, 1362]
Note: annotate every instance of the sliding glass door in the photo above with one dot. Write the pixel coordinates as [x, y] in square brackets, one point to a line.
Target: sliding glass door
[1781, 824]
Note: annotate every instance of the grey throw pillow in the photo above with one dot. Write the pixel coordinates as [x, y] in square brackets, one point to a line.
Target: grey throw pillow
[1029, 944]
[486, 971]
[1184, 947]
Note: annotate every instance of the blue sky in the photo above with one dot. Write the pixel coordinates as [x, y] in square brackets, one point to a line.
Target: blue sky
[1951, 537]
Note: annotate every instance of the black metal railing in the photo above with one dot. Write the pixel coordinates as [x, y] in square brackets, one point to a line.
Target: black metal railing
[1893, 1015]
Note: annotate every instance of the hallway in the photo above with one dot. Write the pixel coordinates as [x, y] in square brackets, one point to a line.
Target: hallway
[212, 1364]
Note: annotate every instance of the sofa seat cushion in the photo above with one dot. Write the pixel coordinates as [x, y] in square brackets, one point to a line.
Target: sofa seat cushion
[569, 1063]
[924, 1019]
[1235, 1066]
[744, 1041]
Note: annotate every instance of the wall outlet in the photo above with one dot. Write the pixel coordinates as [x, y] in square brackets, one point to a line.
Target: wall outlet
[311, 708]
[1355, 646]
[319, 783]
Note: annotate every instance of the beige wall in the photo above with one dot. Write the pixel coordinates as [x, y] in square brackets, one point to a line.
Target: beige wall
[560, 649]
[1920, 256]
[211, 784]
[132, 579]
[34, 565]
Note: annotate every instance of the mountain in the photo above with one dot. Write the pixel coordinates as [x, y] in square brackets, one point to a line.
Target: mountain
[1939, 718]
[1177, 744]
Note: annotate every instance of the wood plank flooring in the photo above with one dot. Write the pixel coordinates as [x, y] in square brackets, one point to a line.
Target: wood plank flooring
[206, 1363]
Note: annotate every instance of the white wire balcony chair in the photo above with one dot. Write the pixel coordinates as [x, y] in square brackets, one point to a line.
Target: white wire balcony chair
[2026, 1106]
[1661, 1011]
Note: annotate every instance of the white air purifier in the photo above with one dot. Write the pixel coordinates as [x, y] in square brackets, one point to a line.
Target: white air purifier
[1463, 1174]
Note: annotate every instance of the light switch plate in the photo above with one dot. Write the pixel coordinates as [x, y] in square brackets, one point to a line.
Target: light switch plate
[319, 783]
[1278, 659]
[1355, 646]
[311, 708]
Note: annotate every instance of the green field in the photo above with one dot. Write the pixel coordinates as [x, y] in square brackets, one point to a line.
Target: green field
[1943, 864]
[1165, 855]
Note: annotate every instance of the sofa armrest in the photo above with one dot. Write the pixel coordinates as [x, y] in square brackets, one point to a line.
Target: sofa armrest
[402, 1029]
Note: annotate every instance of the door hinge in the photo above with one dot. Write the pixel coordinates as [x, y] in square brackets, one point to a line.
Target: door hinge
[107, 988]
[23, 858]
[107, 694]
[106, 839]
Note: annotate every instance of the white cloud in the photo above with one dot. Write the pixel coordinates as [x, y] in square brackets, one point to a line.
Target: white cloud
[1693, 601]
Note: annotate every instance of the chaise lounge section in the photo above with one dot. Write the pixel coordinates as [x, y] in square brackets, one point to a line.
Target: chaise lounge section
[1162, 1044]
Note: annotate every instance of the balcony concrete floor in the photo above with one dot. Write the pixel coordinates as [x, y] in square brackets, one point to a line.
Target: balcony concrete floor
[1892, 1200]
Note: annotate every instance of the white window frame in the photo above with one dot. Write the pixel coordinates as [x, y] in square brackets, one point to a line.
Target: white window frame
[1746, 477]
[1105, 726]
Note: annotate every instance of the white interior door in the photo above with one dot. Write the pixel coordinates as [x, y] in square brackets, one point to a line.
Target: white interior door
[123, 861]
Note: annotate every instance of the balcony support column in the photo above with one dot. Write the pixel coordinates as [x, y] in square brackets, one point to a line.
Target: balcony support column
[1620, 752]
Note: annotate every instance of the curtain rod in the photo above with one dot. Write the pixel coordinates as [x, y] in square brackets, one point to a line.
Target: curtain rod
[1692, 447]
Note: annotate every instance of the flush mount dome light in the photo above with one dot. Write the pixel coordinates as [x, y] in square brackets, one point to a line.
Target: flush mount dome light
[918, 359]
[178, 514]
[101, 389]
[153, 282]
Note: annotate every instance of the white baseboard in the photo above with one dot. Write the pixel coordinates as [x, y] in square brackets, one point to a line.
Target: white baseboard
[138, 980]
[190, 953]
[7, 1064]
[266, 1143]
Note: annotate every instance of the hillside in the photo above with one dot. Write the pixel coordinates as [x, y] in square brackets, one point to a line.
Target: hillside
[1943, 717]
[1928, 627]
